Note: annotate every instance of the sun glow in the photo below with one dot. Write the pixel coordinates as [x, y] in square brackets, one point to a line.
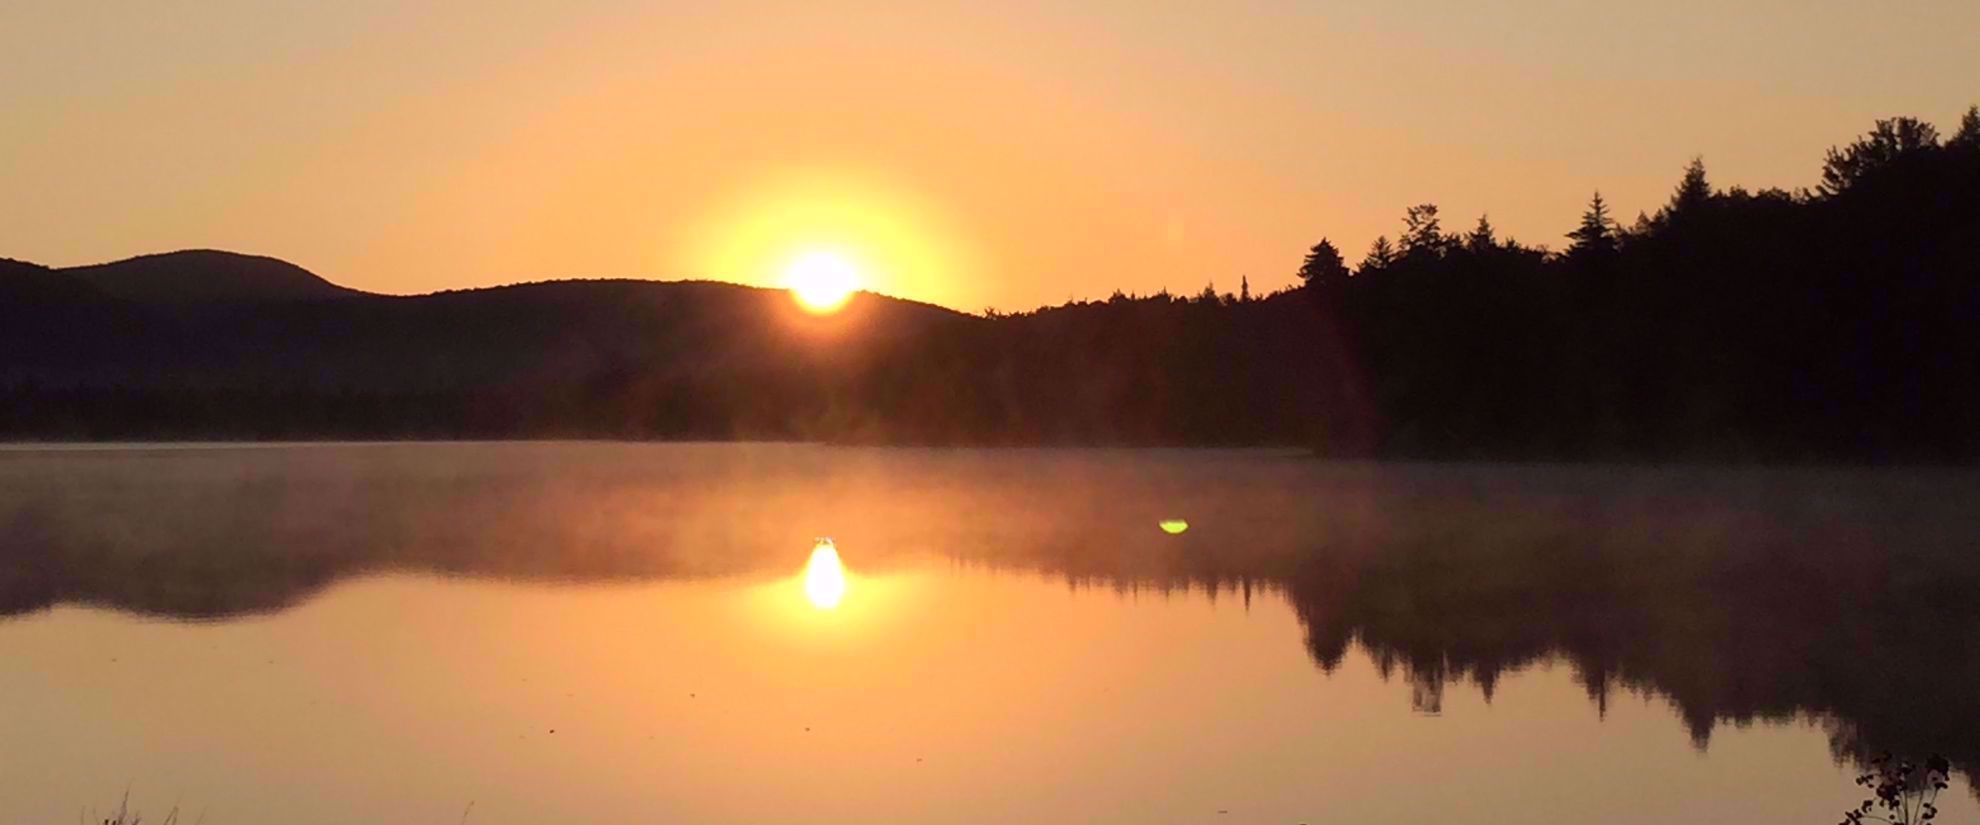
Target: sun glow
[895, 241]
[821, 281]
[825, 576]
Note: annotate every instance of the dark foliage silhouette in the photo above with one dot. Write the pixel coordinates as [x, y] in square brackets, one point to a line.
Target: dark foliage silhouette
[1323, 265]
[1834, 324]
[1730, 325]
[1901, 793]
[1895, 141]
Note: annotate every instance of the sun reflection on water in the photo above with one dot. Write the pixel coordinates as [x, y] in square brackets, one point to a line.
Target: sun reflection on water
[825, 576]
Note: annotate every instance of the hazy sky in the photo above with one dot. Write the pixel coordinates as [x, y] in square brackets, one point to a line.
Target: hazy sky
[1006, 154]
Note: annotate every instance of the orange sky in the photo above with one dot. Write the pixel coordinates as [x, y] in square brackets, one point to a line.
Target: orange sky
[972, 155]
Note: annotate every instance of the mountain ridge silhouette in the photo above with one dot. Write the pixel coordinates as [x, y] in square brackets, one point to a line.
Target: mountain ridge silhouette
[211, 343]
[203, 275]
[1729, 326]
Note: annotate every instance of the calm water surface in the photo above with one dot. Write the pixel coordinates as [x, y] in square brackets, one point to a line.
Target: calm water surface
[593, 632]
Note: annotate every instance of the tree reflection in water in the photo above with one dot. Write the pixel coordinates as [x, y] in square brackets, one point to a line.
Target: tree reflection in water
[1819, 596]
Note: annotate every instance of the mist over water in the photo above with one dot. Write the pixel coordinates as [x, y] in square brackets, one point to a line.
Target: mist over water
[334, 633]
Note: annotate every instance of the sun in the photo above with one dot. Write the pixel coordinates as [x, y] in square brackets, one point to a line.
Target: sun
[825, 576]
[821, 281]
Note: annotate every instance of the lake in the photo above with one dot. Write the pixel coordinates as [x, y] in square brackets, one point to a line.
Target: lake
[546, 632]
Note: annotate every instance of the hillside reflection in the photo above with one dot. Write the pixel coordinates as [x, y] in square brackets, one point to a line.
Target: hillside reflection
[1840, 598]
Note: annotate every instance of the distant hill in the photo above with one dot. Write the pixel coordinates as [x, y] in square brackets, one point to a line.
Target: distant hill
[213, 344]
[216, 345]
[204, 275]
[1729, 325]
[9, 266]
[23, 283]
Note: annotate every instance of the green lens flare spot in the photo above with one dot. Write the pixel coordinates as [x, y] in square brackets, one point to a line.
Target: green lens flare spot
[1174, 526]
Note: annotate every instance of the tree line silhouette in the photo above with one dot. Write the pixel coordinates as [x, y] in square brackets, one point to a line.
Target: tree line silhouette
[1729, 323]
[1834, 323]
